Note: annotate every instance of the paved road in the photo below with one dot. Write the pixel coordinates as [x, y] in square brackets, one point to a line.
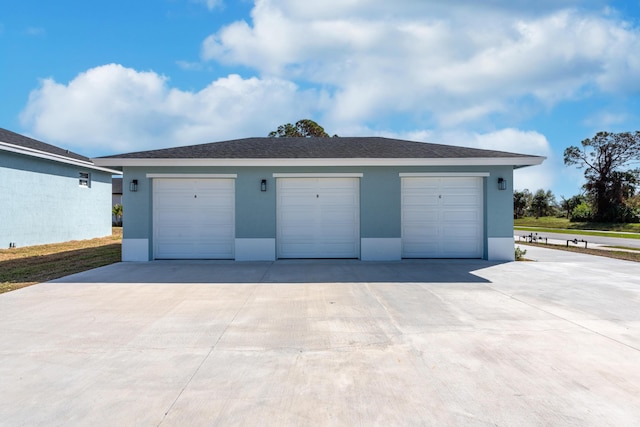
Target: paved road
[611, 241]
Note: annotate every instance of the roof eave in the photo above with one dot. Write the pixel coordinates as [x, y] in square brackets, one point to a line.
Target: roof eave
[516, 162]
[4, 146]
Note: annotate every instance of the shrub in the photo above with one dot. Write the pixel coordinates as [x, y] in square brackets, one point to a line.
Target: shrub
[581, 213]
[520, 253]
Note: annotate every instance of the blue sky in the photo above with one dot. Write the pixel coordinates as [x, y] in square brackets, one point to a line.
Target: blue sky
[104, 77]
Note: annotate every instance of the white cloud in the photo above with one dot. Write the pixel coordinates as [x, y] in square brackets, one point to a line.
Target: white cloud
[458, 63]
[607, 119]
[189, 66]
[510, 140]
[210, 4]
[112, 109]
[516, 141]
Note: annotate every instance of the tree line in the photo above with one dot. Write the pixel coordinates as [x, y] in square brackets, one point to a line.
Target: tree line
[610, 193]
[544, 203]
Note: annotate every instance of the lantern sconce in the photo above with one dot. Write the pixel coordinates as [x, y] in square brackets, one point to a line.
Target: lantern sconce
[133, 185]
[263, 185]
[502, 184]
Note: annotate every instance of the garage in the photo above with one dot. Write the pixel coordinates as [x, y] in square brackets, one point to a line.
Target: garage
[193, 218]
[442, 217]
[318, 217]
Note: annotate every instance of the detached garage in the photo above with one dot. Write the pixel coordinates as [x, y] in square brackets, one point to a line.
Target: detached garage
[276, 198]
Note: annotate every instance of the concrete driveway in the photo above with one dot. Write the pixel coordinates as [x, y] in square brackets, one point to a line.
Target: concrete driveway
[552, 342]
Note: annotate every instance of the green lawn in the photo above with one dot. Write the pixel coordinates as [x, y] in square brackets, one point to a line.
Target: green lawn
[564, 223]
[553, 224]
[20, 267]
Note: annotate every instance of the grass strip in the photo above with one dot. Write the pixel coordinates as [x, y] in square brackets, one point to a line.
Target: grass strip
[579, 232]
[627, 248]
[565, 224]
[21, 267]
[626, 256]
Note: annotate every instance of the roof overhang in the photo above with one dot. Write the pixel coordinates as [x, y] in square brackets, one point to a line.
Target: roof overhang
[12, 148]
[516, 162]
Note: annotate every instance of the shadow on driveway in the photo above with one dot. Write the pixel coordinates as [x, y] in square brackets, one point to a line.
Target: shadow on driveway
[286, 271]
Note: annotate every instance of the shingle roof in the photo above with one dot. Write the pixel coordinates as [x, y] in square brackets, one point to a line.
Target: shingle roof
[316, 148]
[13, 138]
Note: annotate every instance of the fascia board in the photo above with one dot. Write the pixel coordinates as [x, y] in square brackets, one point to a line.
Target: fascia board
[479, 161]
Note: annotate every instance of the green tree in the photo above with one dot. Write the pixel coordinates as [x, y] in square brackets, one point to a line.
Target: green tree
[606, 159]
[581, 213]
[567, 205]
[543, 203]
[521, 203]
[304, 128]
[117, 212]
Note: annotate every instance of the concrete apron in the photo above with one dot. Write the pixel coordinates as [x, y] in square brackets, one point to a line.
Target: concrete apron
[553, 342]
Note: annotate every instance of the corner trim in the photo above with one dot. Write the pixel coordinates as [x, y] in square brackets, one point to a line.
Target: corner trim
[381, 249]
[135, 250]
[500, 249]
[255, 249]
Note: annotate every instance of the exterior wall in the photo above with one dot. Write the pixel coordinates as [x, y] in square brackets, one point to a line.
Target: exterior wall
[499, 216]
[42, 202]
[380, 209]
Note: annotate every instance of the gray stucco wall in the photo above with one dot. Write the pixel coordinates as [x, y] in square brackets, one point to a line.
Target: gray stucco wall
[380, 212]
[42, 202]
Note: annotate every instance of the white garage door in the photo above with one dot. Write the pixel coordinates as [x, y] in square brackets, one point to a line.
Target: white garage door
[318, 217]
[442, 217]
[193, 218]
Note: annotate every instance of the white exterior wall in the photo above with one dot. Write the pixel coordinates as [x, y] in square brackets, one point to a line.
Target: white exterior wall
[42, 202]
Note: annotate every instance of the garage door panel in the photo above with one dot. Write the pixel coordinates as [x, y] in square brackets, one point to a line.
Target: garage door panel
[418, 199]
[298, 234]
[194, 218]
[420, 216]
[455, 182]
[419, 247]
[462, 232]
[457, 216]
[442, 217]
[318, 217]
[421, 184]
[459, 200]
[336, 202]
[423, 235]
[337, 216]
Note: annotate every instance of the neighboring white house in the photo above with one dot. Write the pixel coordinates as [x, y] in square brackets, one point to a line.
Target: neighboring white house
[49, 194]
[271, 198]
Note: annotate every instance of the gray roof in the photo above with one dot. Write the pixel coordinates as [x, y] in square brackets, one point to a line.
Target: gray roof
[316, 148]
[20, 140]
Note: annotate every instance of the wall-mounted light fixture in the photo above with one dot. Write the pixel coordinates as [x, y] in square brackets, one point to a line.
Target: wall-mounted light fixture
[502, 184]
[263, 185]
[133, 185]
